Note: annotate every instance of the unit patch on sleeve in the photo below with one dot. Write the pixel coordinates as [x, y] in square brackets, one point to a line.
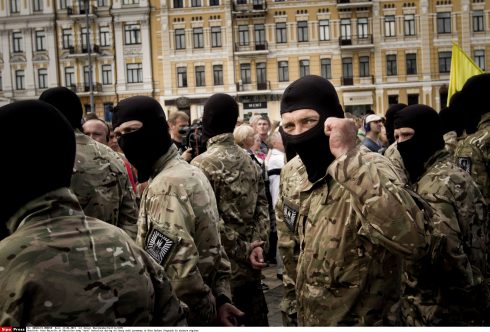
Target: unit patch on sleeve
[290, 212]
[465, 163]
[159, 246]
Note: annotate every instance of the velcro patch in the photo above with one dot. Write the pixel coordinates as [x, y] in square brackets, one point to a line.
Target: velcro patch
[465, 163]
[159, 246]
[290, 215]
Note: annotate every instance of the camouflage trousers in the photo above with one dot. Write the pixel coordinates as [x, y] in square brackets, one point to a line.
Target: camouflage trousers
[250, 299]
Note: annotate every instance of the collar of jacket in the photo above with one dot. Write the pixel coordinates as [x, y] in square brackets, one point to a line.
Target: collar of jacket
[162, 162]
[41, 208]
[438, 155]
[226, 138]
[484, 121]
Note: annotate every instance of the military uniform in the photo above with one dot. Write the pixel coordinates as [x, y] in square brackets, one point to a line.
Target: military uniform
[101, 183]
[396, 160]
[448, 288]
[451, 141]
[62, 268]
[359, 225]
[243, 208]
[179, 228]
[288, 214]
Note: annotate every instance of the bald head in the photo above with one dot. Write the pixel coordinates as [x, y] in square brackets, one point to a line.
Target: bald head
[97, 130]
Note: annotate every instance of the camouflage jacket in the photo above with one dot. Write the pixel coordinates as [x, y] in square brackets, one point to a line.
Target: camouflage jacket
[441, 290]
[101, 183]
[288, 214]
[359, 225]
[61, 268]
[451, 141]
[179, 227]
[473, 155]
[396, 159]
[242, 204]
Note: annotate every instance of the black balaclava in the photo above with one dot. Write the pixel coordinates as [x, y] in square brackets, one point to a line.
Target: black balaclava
[288, 148]
[475, 102]
[67, 102]
[38, 148]
[144, 146]
[389, 119]
[219, 116]
[453, 117]
[426, 140]
[312, 146]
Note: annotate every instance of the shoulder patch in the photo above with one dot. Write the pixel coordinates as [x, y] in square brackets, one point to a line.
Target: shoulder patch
[159, 246]
[465, 163]
[290, 212]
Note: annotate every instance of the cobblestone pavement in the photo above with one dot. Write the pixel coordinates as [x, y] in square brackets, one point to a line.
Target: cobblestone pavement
[273, 295]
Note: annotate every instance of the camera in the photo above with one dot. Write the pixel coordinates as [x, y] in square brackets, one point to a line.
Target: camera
[193, 138]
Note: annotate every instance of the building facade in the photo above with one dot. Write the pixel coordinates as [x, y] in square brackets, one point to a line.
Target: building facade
[376, 52]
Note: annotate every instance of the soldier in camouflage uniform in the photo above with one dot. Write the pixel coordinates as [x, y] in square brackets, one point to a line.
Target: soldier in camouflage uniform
[448, 287]
[242, 205]
[60, 267]
[359, 222]
[100, 180]
[178, 221]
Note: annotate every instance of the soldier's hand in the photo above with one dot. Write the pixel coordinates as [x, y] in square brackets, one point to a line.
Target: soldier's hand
[187, 155]
[257, 255]
[228, 313]
[342, 133]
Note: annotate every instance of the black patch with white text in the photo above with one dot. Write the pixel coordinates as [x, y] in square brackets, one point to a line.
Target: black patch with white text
[290, 215]
[465, 163]
[159, 246]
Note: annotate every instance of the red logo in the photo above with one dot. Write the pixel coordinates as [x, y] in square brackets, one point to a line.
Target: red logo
[6, 329]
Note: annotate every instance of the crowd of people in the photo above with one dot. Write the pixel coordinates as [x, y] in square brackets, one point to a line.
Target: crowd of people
[380, 220]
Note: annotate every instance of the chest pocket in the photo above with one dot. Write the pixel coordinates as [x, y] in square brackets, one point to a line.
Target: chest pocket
[291, 214]
[161, 246]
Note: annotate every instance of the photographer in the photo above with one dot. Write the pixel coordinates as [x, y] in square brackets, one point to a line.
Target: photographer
[176, 121]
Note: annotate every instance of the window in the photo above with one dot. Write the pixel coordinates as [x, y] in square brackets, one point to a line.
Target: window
[106, 74]
[37, 5]
[63, 4]
[324, 27]
[182, 77]
[40, 40]
[214, 2]
[413, 98]
[215, 36]
[411, 59]
[243, 34]
[345, 32]
[391, 68]
[392, 99]
[88, 76]
[178, 3]
[102, 3]
[19, 80]
[14, 6]
[409, 25]
[478, 21]
[179, 39]
[132, 34]
[281, 36]
[195, 3]
[66, 38]
[362, 27]
[198, 37]
[130, 2]
[1, 84]
[69, 76]
[108, 108]
[42, 78]
[347, 71]
[304, 68]
[134, 72]
[444, 22]
[83, 36]
[261, 73]
[363, 66]
[241, 2]
[200, 76]
[218, 74]
[105, 36]
[390, 26]
[259, 34]
[17, 42]
[245, 73]
[302, 31]
[479, 57]
[444, 62]
[283, 71]
[326, 68]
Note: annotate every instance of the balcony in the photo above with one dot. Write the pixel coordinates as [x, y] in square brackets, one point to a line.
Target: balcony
[354, 3]
[249, 7]
[253, 87]
[347, 80]
[82, 51]
[82, 12]
[85, 87]
[355, 42]
[252, 48]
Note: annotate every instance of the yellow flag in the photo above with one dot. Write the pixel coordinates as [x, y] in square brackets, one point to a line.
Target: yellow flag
[462, 68]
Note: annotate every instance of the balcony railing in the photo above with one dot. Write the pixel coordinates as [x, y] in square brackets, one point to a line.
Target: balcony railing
[251, 47]
[356, 41]
[81, 11]
[85, 87]
[83, 50]
[354, 3]
[253, 86]
[250, 7]
[347, 80]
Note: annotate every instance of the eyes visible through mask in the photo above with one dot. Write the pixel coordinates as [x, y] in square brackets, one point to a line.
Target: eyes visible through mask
[404, 134]
[127, 127]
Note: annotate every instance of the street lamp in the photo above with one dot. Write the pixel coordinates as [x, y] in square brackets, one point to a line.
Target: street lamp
[89, 52]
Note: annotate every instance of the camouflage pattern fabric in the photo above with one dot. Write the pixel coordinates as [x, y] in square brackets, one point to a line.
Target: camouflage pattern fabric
[359, 225]
[179, 228]
[449, 290]
[396, 160]
[242, 204]
[288, 214]
[61, 268]
[451, 141]
[101, 183]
